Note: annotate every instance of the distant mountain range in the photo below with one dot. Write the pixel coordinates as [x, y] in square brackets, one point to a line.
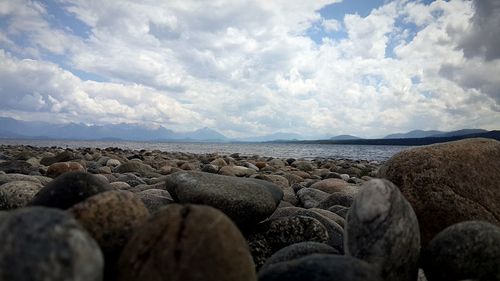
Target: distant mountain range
[12, 128]
[434, 134]
[345, 137]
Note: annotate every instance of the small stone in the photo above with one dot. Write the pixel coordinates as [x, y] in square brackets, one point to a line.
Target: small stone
[260, 165]
[320, 267]
[466, 250]
[330, 185]
[113, 163]
[136, 167]
[16, 194]
[382, 229]
[298, 250]
[39, 243]
[339, 210]
[337, 198]
[59, 168]
[131, 179]
[68, 189]
[209, 168]
[120, 185]
[61, 157]
[154, 199]
[305, 166]
[245, 201]
[18, 177]
[238, 171]
[310, 197]
[188, 243]
[219, 162]
[17, 166]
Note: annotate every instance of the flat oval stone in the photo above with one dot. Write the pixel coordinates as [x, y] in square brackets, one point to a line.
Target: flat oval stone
[466, 250]
[320, 267]
[187, 242]
[69, 189]
[245, 201]
[60, 168]
[16, 194]
[40, 243]
[382, 229]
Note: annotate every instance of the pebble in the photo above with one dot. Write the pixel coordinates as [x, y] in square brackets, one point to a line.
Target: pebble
[154, 199]
[59, 168]
[16, 194]
[187, 242]
[330, 185]
[310, 197]
[382, 229]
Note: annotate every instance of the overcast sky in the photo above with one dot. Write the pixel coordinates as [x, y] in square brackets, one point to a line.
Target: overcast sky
[253, 67]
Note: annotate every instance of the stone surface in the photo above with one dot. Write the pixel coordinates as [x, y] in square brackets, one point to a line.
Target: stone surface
[245, 201]
[136, 167]
[310, 197]
[16, 194]
[40, 243]
[339, 210]
[69, 189]
[449, 183]
[238, 171]
[154, 199]
[189, 242]
[274, 234]
[335, 231]
[17, 166]
[61, 157]
[467, 250]
[337, 198]
[298, 250]
[18, 177]
[59, 168]
[330, 185]
[320, 267]
[111, 217]
[382, 229]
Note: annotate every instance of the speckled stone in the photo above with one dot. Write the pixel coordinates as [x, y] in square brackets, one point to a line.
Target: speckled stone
[16, 194]
[449, 183]
[310, 197]
[298, 250]
[154, 199]
[17, 166]
[187, 242]
[42, 244]
[245, 201]
[382, 229]
[320, 267]
[466, 250]
[111, 217]
[18, 177]
[274, 234]
[69, 189]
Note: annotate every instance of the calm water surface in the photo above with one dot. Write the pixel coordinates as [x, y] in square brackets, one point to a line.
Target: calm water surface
[307, 151]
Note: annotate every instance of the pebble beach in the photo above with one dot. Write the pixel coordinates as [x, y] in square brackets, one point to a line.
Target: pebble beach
[427, 213]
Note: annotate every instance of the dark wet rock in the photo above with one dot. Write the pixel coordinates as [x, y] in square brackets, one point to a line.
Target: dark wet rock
[467, 250]
[154, 199]
[288, 193]
[330, 215]
[339, 210]
[310, 197]
[245, 201]
[449, 183]
[137, 167]
[17, 166]
[60, 168]
[16, 194]
[274, 234]
[209, 168]
[305, 166]
[335, 231]
[39, 243]
[320, 267]
[382, 229]
[189, 242]
[299, 250]
[110, 218]
[337, 198]
[69, 189]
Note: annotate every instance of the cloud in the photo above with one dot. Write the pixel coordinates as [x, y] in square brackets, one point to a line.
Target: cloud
[248, 67]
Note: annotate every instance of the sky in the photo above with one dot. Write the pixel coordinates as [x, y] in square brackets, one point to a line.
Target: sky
[254, 67]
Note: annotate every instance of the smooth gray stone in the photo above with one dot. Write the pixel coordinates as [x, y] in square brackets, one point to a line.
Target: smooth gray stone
[38, 244]
[382, 229]
[310, 197]
[337, 198]
[299, 250]
[18, 177]
[466, 250]
[154, 199]
[246, 201]
[320, 267]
